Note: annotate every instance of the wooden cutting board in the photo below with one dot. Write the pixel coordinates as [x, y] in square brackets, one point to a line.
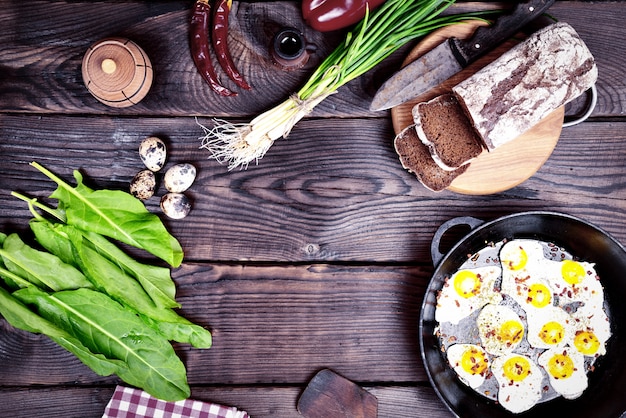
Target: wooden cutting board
[508, 165]
[330, 395]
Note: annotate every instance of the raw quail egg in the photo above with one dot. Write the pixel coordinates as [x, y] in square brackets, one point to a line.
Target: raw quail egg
[153, 153]
[179, 177]
[566, 370]
[500, 328]
[143, 185]
[519, 381]
[470, 362]
[175, 205]
[465, 292]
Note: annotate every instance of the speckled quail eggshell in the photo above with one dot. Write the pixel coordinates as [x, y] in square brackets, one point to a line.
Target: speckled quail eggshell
[153, 153]
[179, 177]
[143, 185]
[175, 205]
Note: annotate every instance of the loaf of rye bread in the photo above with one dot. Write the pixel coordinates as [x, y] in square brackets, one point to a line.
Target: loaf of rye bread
[509, 96]
[496, 105]
[416, 158]
[442, 126]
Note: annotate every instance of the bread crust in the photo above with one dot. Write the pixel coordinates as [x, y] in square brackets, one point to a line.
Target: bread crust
[524, 85]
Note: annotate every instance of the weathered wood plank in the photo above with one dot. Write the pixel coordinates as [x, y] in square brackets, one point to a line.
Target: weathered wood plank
[271, 325]
[334, 197]
[44, 42]
[258, 401]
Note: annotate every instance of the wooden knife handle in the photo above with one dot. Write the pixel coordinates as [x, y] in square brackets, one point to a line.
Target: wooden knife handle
[486, 38]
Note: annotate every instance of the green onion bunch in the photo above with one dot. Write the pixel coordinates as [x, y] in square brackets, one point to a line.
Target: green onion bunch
[372, 40]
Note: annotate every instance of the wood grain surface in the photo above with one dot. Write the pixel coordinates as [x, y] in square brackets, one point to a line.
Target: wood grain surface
[317, 257]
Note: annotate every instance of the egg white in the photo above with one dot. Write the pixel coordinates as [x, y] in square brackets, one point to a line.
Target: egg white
[517, 396]
[455, 359]
[515, 254]
[588, 292]
[537, 318]
[522, 261]
[490, 323]
[453, 307]
[525, 293]
[571, 386]
[596, 322]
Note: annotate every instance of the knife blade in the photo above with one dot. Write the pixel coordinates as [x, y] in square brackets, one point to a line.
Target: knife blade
[451, 56]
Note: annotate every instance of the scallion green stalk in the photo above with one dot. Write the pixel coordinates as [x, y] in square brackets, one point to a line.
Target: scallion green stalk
[377, 36]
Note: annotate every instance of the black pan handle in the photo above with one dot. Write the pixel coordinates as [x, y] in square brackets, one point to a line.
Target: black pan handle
[435, 253]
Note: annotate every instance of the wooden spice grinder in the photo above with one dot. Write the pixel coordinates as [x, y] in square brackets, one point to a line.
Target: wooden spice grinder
[117, 72]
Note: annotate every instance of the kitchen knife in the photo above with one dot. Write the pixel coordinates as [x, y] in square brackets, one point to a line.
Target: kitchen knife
[450, 57]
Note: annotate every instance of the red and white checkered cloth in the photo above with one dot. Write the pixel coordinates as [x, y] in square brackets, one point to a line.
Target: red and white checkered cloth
[134, 403]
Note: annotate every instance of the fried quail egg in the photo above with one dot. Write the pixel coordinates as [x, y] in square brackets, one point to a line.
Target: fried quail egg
[519, 381]
[500, 328]
[575, 281]
[549, 327]
[465, 292]
[591, 332]
[566, 370]
[470, 362]
[521, 260]
[532, 294]
[515, 255]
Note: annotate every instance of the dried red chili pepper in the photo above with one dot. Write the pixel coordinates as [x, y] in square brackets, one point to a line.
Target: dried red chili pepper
[328, 15]
[200, 46]
[219, 37]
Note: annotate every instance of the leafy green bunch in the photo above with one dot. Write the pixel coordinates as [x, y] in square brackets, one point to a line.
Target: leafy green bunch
[81, 289]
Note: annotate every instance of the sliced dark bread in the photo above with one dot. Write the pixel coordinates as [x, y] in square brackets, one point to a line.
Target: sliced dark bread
[442, 125]
[416, 158]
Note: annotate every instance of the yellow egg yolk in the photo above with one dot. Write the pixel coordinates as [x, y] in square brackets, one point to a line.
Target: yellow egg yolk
[511, 332]
[466, 283]
[539, 295]
[552, 333]
[573, 272]
[586, 343]
[516, 368]
[474, 361]
[561, 366]
[515, 260]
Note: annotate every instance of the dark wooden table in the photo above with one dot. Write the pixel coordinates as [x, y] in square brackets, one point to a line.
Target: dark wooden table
[317, 257]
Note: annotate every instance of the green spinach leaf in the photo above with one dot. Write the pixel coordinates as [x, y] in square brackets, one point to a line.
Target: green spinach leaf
[106, 327]
[115, 214]
[155, 280]
[112, 279]
[40, 267]
[20, 316]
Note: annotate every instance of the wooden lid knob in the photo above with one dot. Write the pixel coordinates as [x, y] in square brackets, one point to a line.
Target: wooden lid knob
[117, 72]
